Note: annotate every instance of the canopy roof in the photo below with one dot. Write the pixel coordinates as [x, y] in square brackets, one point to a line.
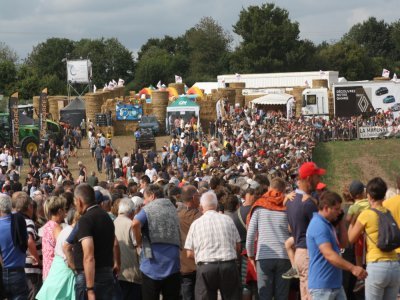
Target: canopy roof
[273, 99]
[183, 102]
[76, 104]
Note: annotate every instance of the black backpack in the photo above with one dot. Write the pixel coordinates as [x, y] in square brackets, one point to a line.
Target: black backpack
[388, 232]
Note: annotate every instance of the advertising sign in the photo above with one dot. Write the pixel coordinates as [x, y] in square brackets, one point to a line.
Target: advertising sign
[14, 119]
[79, 71]
[369, 132]
[129, 112]
[352, 101]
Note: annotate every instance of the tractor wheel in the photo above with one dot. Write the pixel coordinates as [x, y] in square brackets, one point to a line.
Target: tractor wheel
[29, 145]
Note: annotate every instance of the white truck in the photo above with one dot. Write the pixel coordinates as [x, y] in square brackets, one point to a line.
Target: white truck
[352, 99]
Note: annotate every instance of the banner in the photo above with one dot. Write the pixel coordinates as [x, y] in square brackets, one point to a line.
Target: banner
[14, 119]
[369, 132]
[128, 112]
[43, 114]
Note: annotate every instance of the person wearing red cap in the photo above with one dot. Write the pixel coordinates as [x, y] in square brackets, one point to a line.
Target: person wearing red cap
[300, 212]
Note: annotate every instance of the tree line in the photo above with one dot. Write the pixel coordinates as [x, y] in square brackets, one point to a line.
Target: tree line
[269, 41]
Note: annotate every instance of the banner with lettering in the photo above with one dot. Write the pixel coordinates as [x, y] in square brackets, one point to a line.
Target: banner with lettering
[369, 132]
[128, 112]
[14, 119]
[43, 113]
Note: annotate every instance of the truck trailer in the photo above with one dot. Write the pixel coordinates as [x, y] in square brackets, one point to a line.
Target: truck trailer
[352, 98]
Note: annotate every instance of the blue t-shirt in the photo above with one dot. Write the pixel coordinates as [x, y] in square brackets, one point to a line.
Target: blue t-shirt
[12, 256]
[299, 214]
[165, 261]
[321, 273]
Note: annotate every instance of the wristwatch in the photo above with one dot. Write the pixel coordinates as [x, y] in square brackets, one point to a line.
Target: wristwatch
[89, 288]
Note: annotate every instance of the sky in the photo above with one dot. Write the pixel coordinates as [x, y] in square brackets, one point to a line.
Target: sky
[26, 23]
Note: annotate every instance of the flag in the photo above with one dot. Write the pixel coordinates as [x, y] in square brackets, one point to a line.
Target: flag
[14, 119]
[321, 72]
[94, 88]
[306, 83]
[385, 73]
[178, 79]
[43, 113]
[394, 77]
[237, 76]
[159, 86]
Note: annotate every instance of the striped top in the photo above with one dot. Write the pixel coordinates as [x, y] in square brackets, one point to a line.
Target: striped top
[271, 228]
[213, 237]
[30, 267]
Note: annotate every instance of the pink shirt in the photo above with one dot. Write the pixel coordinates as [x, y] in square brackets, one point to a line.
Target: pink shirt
[48, 245]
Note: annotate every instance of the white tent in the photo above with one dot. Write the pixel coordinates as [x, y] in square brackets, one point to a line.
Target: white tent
[273, 99]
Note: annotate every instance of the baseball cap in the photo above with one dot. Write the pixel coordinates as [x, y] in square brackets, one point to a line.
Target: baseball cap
[320, 186]
[310, 168]
[356, 188]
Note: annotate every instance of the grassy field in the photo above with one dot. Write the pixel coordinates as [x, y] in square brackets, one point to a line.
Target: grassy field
[345, 161]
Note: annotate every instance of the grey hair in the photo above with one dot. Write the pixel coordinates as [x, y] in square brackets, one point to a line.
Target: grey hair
[209, 200]
[5, 204]
[126, 206]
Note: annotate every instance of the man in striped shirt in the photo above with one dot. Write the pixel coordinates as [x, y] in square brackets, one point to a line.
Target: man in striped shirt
[213, 241]
[23, 204]
[268, 225]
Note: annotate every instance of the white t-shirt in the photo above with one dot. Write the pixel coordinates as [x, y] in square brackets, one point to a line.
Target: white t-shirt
[151, 173]
[62, 237]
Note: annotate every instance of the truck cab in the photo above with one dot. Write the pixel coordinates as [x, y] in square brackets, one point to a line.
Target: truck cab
[315, 103]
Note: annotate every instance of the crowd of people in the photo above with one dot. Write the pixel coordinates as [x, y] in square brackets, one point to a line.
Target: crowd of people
[239, 211]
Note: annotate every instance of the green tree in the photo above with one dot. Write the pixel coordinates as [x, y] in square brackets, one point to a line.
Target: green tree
[267, 35]
[8, 69]
[209, 46]
[373, 35]
[350, 59]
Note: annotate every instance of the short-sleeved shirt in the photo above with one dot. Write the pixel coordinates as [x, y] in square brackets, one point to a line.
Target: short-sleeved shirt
[165, 261]
[299, 214]
[393, 205]
[357, 207]
[213, 237]
[97, 224]
[370, 219]
[322, 274]
[12, 256]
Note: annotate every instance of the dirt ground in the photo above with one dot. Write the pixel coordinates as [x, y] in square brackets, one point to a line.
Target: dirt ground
[121, 144]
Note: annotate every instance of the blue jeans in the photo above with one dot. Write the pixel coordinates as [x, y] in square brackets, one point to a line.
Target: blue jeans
[383, 280]
[328, 294]
[270, 283]
[104, 286]
[15, 285]
[188, 283]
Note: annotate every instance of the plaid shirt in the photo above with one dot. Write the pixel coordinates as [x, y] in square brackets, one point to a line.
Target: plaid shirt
[213, 237]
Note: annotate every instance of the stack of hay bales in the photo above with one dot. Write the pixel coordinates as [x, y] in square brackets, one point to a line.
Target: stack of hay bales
[227, 93]
[320, 83]
[239, 98]
[54, 106]
[180, 87]
[147, 107]
[93, 104]
[297, 93]
[208, 111]
[159, 104]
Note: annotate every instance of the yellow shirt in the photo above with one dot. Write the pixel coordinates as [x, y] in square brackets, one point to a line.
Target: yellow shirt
[369, 219]
[393, 205]
[358, 207]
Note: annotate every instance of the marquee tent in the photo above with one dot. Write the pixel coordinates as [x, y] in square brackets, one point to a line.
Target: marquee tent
[74, 112]
[272, 99]
[183, 107]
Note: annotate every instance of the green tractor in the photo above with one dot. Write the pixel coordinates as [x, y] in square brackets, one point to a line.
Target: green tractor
[28, 132]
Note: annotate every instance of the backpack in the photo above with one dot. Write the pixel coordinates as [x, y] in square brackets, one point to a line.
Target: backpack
[388, 232]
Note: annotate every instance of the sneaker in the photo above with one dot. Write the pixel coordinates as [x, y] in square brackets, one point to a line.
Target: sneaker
[360, 284]
[291, 273]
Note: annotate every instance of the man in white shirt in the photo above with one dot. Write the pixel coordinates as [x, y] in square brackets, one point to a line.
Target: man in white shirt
[150, 172]
[213, 241]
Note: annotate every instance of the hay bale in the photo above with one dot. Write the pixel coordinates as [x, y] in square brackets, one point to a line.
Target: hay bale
[237, 85]
[159, 98]
[297, 93]
[240, 99]
[93, 104]
[125, 128]
[36, 107]
[160, 112]
[180, 87]
[320, 83]
[227, 93]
